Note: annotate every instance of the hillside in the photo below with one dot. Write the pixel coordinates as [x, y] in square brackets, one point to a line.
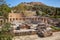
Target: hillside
[40, 8]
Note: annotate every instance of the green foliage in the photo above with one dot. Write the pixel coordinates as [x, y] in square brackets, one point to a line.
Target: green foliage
[55, 28]
[55, 16]
[47, 10]
[6, 27]
[37, 12]
[5, 33]
[5, 37]
[4, 10]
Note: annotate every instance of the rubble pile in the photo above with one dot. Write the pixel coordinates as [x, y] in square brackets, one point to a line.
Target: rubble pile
[43, 31]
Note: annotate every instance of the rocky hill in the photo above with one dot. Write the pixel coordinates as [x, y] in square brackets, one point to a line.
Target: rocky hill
[40, 8]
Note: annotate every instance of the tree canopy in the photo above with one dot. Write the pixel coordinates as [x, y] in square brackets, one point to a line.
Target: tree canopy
[4, 9]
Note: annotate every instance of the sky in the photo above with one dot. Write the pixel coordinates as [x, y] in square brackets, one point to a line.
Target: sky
[54, 3]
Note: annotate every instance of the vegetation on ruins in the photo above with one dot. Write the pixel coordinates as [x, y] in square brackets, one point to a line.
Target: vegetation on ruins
[41, 10]
[55, 28]
[5, 33]
[4, 9]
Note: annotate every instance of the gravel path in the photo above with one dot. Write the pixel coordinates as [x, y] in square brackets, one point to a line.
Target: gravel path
[55, 36]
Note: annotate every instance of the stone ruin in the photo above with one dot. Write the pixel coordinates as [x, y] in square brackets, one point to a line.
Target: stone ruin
[43, 31]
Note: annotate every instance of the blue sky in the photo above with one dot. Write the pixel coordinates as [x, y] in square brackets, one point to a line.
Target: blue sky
[55, 3]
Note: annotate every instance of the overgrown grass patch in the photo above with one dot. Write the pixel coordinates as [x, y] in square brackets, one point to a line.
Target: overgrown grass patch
[4, 36]
[55, 28]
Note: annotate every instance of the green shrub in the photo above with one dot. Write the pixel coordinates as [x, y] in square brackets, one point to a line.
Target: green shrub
[55, 28]
[5, 37]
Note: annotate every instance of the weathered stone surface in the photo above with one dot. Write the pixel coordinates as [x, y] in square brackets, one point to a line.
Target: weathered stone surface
[55, 36]
[43, 31]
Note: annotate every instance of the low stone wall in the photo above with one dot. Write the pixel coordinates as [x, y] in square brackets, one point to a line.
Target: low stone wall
[27, 37]
[25, 33]
[55, 36]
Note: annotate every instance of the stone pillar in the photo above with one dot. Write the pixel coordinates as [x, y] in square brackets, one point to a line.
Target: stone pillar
[43, 20]
[36, 19]
[46, 21]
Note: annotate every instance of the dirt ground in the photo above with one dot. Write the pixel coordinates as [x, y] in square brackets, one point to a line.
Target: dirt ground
[55, 36]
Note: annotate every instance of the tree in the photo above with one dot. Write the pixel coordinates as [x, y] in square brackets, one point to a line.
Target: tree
[1, 3]
[5, 33]
[6, 27]
[4, 9]
[37, 13]
[21, 7]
